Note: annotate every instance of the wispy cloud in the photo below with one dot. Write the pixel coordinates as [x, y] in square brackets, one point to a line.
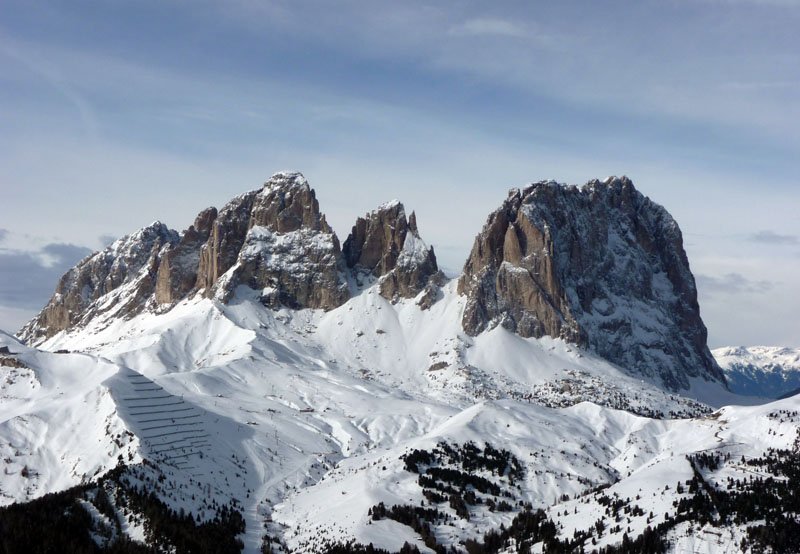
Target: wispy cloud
[770, 237]
[55, 79]
[732, 283]
[488, 26]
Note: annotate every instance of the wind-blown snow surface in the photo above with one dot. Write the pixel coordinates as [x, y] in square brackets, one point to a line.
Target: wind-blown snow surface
[304, 415]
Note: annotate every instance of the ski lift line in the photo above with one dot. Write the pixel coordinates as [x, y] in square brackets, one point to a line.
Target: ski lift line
[148, 390]
[167, 418]
[162, 411]
[171, 425]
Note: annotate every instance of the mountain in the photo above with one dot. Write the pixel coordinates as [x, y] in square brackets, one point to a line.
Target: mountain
[118, 282]
[601, 266]
[274, 239]
[766, 371]
[385, 244]
[249, 384]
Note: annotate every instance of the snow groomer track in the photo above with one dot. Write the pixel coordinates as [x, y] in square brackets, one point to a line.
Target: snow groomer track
[170, 430]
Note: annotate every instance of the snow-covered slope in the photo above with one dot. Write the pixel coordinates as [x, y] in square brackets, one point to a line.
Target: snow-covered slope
[768, 371]
[303, 417]
[59, 422]
[260, 381]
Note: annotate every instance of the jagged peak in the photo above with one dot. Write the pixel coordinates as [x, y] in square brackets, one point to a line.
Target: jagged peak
[412, 223]
[387, 244]
[612, 182]
[148, 233]
[390, 205]
[286, 180]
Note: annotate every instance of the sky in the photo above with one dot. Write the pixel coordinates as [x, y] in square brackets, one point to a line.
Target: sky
[116, 114]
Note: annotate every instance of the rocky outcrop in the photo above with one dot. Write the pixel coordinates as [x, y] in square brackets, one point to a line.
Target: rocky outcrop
[118, 281]
[177, 270]
[601, 266]
[284, 246]
[385, 244]
[298, 269]
[274, 240]
[225, 241]
[509, 278]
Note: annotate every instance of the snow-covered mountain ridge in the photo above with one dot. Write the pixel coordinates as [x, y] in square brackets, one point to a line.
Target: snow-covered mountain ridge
[767, 371]
[601, 266]
[288, 418]
[250, 384]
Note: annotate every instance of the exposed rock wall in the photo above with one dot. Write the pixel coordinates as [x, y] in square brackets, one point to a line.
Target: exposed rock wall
[273, 239]
[387, 245]
[120, 279]
[284, 247]
[225, 241]
[601, 266]
[177, 271]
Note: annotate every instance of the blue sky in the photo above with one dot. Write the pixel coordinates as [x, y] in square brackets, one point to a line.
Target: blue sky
[118, 113]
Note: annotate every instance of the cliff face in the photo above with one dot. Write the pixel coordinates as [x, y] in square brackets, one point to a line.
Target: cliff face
[177, 270]
[601, 266]
[387, 245]
[283, 246]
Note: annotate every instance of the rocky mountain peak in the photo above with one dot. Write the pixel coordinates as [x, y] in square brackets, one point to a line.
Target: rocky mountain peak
[276, 240]
[599, 265]
[385, 244]
[287, 203]
[123, 275]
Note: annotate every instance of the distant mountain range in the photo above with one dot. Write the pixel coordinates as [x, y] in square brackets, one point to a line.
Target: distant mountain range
[766, 371]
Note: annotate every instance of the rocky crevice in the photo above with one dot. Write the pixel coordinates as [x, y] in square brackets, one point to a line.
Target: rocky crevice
[178, 267]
